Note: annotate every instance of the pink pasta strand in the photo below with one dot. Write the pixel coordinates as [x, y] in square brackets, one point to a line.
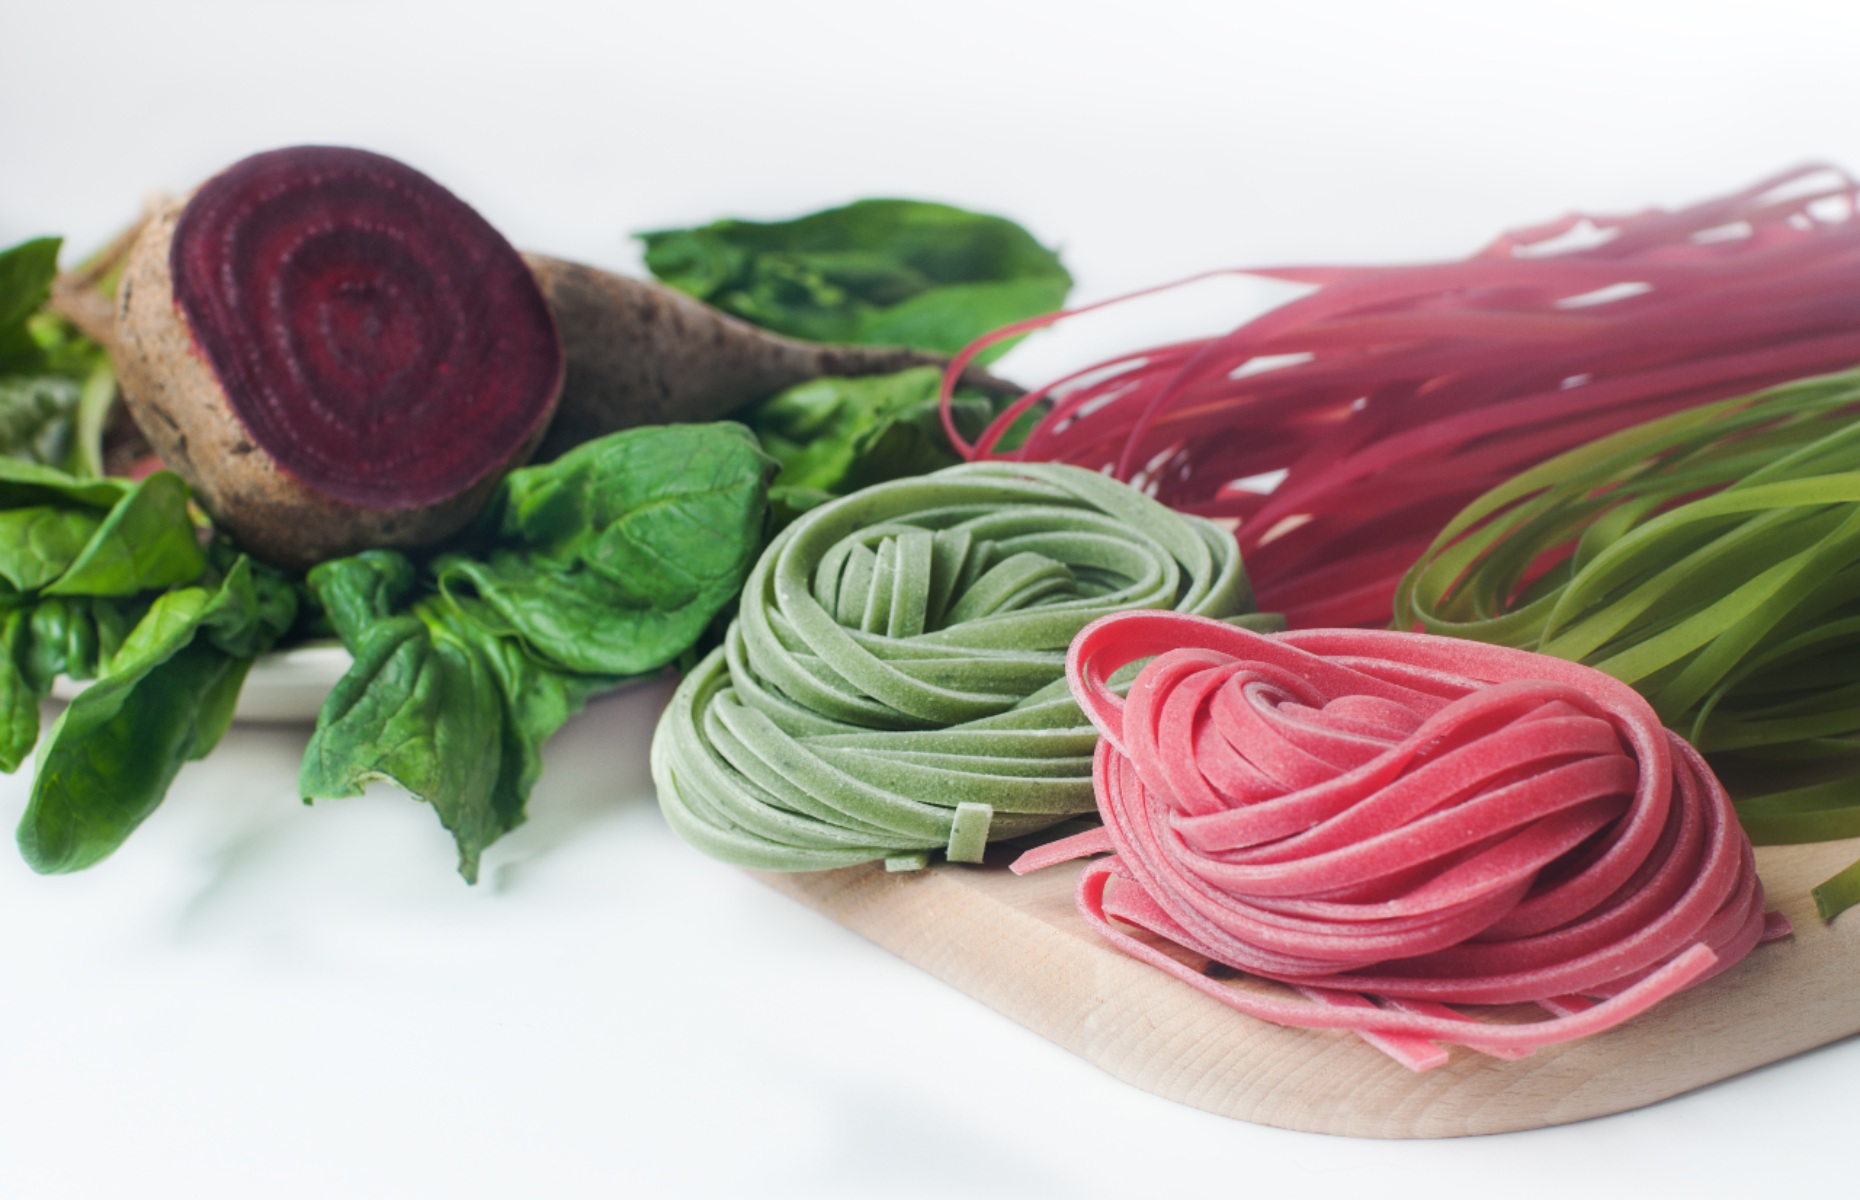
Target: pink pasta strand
[1421, 387]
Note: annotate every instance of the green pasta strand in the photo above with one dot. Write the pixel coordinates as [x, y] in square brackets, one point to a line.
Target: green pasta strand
[894, 683]
[1710, 559]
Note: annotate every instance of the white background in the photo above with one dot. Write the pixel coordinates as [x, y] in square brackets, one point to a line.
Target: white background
[255, 999]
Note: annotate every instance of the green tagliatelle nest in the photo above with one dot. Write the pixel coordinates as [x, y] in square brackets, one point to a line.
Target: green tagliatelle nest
[1710, 559]
[895, 681]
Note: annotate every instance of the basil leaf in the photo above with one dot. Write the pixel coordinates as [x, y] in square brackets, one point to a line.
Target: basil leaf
[877, 272]
[578, 620]
[949, 318]
[357, 591]
[164, 698]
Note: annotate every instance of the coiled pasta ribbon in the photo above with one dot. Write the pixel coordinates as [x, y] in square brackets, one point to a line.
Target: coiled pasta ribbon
[1393, 823]
[894, 683]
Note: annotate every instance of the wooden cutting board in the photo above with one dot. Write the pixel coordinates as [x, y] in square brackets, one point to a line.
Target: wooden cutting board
[1017, 944]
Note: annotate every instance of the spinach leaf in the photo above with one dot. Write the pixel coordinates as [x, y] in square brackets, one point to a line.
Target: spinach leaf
[610, 561]
[614, 558]
[838, 435]
[38, 544]
[26, 273]
[99, 537]
[23, 483]
[56, 385]
[73, 636]
[434, 703]
[164, 698]
[419, 707]
[38, 417]
[40, 641]
[147, 541]
[538, 700]
[79, 560]
[878, 272]
[19, 716]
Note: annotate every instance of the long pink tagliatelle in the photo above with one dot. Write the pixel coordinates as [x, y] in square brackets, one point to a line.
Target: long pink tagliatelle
[1392, 823]
[1342, 430]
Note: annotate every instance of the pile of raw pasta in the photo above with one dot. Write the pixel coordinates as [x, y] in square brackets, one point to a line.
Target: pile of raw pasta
[1388, 822]
[895, 681]
[1342, 430]
[1556, 442]
[1393, 823]
[1712, 560]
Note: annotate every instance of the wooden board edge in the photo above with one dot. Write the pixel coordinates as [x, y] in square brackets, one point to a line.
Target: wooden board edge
[1040, 966]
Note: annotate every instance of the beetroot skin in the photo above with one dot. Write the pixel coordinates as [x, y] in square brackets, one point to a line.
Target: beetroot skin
[336, 352]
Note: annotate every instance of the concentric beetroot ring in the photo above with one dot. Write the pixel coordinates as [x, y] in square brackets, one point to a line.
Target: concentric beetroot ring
[1393, 822]
[335, 352]
[377, 338]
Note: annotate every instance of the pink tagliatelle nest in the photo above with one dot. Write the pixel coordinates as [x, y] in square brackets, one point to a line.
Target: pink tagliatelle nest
[1393, 823]
[1341, 431]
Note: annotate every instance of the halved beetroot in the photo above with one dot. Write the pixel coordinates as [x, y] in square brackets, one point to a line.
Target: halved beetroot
[335, 351]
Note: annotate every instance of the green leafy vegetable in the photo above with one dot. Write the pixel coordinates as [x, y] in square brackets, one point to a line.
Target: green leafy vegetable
[835, 436]
[38, 417]
[614, 558]
[146, 542]
[611, 561]
[878, 272]
[104, 537]
[449, 711]
[56, 386]
[78, 562]
[43, 640]
[26, 273]
[165, 697]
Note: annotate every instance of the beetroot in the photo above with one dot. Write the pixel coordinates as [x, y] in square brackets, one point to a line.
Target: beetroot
[335, 351]
[643, 354]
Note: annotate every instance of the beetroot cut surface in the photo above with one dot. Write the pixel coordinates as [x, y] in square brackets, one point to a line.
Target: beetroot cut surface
[1394, 823]
[378, 339]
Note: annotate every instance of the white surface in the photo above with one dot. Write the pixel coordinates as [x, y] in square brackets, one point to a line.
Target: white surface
[255, 999]
[284, 686]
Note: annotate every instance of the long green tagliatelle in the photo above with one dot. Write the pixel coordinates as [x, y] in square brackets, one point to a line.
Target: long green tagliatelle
[895, 681]
[1710, 559]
